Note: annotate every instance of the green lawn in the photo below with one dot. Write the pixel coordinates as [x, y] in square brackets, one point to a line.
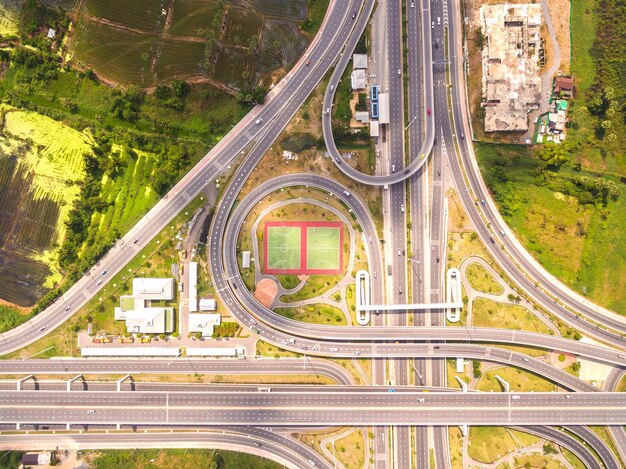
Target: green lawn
[316, 314]
[487, 444]
[546, 220]
[323, 248]
[482, 280]
[180, 458]
[283, 247]
[519, 380]
[489, 313]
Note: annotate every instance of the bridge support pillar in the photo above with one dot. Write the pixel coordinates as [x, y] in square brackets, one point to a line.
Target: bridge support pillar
[68, 426]
[464, 428]
[121, 381]
[118, 426]
[505, 384]
[462, 383]
[72, 380]
[17, 426]
[20, 381]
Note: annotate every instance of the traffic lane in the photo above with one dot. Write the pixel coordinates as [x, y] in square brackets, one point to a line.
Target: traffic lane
[564, 440]
[264, 366]
[491, 335]
[547, 282]
[317, 397]
[271, 445]
[395, 415]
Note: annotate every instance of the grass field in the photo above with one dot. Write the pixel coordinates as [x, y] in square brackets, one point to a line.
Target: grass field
[284, 243]
[179, 458]
[519, 380]
[283, 248]
[546, 220]
[482, 280]
[316, 314]
[323, 248]
[487, 444]
[488, 313]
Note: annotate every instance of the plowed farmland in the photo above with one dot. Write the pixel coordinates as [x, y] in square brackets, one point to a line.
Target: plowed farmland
[40, 163]
[146, 42]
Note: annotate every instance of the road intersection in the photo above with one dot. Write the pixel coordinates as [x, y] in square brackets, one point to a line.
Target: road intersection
[405, 406]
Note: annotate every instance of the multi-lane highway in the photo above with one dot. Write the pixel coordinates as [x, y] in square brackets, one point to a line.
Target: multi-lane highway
[344, 24]
[312, 405]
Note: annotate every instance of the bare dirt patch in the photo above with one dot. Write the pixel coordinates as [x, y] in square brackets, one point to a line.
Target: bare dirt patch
[266, 291]
[560, 15]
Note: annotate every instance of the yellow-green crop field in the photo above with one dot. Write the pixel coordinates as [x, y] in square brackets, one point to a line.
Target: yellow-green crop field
[9, 16]
[41, 162]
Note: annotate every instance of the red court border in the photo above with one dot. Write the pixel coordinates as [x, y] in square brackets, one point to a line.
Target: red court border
[303, 225]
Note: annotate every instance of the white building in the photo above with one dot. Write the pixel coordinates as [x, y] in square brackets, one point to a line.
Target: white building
[245, 260]
[383, 108]
[139, 314]
[357, 80]
[359, 61]
[374, 129]
[153, 288]
[193, 290]
[204, 323]
[208, 304]
[362, 116]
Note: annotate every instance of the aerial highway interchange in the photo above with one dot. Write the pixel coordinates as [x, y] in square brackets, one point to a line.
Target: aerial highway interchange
[410, 396]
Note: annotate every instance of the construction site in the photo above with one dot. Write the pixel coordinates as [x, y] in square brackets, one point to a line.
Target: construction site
[511, 59]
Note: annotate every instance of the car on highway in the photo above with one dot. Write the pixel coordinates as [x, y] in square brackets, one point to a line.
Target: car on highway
[391, 390]
[356, 352]
[399, 252]
[422, 156]
[104, 272]
[347, 193]
[354, 15]
[327, 111]
[393, 168]
[428, 111]
[308, 62]
[402, 208]
[91, 411]
[67, 308]
[42, 328]
[258, 121]
[135, 240]
[412, 4]
[462, 135]
[99, 282]
[332, 87]
[399, 72]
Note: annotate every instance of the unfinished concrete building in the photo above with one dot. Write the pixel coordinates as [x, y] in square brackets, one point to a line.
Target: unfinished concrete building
[510, 58]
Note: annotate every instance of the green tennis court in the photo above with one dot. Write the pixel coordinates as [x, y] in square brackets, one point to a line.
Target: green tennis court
[323, 248]
[283, 246]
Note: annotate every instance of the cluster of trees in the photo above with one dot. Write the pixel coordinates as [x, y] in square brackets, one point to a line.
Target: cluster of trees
[361, 105]
[252, 96]
[126, 104]
[607, 95]
[32, 67]
[173, 96]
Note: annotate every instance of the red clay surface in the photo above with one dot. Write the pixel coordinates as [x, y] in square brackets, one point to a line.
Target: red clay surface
[303, 238]
[266, 291]
[569, 359]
